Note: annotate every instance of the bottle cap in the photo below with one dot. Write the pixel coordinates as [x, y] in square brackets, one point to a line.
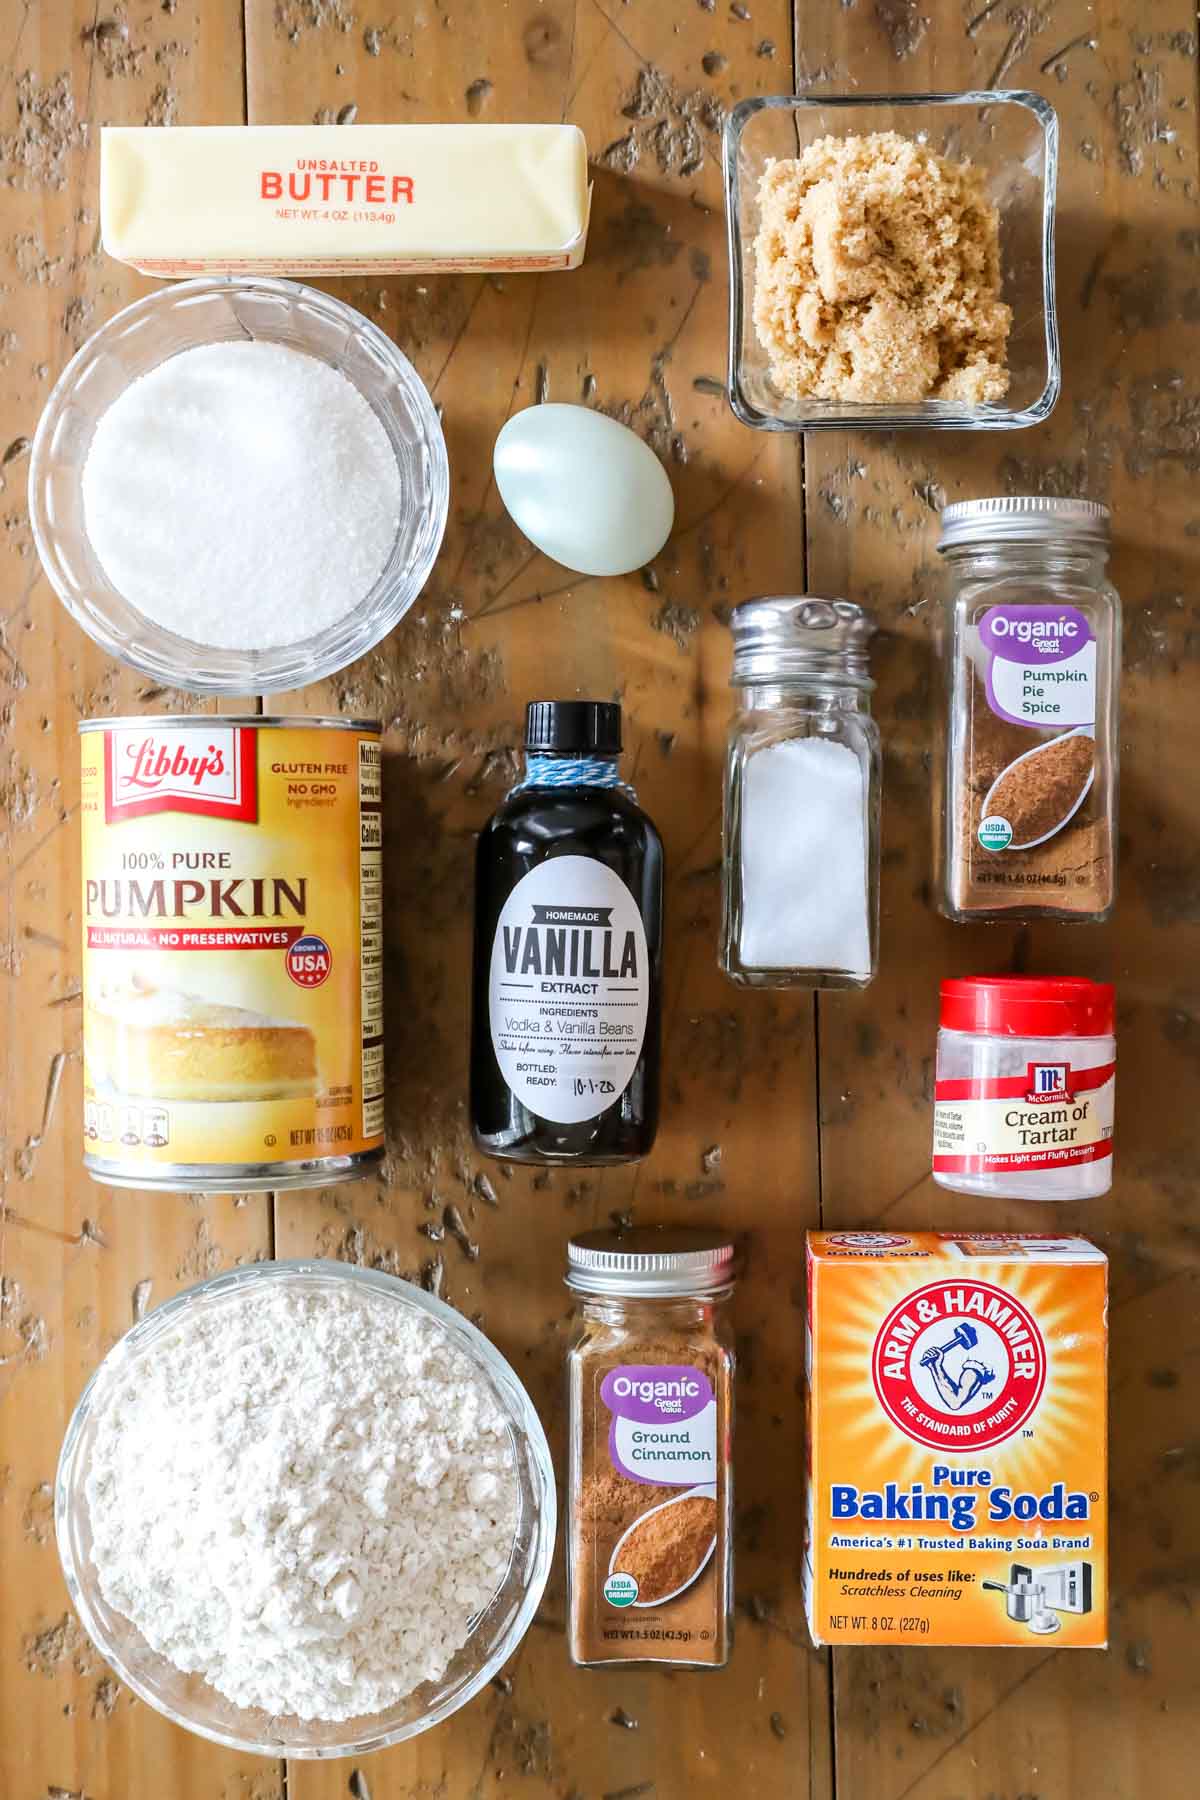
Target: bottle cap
[1024, 1006]
[573, 728]
[782, 635]
[650, 1262]
[1022, 518]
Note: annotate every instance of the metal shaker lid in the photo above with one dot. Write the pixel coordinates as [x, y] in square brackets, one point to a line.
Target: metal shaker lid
[783, 635]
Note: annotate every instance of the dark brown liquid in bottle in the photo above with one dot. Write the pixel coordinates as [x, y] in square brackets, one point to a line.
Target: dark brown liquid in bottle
[534, 825]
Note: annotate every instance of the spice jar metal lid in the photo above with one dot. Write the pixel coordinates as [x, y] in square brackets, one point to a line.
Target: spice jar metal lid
[1022, 518]
[650, 1262]
[1024, 1006]
[800, 634]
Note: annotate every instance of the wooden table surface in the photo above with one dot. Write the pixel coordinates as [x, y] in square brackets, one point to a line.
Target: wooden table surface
[820, 1112]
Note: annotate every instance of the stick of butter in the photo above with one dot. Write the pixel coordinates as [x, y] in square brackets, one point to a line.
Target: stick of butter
[338, 199]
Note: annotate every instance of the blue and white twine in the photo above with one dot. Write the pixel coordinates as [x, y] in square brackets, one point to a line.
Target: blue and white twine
[572, 771]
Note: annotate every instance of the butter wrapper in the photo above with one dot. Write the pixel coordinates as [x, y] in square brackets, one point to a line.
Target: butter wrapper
[341, 200]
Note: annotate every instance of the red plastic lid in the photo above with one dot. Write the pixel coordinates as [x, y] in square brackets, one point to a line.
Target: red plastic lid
[1028, 1006]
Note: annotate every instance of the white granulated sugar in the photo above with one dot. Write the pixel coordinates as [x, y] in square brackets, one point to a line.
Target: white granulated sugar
[804, 859]
[244, 495]
[304, 1498]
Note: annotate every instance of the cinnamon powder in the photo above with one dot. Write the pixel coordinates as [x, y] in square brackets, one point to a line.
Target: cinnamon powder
[666, 1550]
[681, 1610]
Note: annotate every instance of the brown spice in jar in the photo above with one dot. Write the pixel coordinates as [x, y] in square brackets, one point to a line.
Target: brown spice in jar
[671, 1545]
[1038, 792]
[1070, 872]
[665, 1551]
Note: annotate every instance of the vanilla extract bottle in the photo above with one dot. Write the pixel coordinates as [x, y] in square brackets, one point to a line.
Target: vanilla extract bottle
[568, 953]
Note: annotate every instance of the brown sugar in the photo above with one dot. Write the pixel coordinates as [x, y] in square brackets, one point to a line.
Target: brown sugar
[878, 275]
[666, 1549]
[1040, 791]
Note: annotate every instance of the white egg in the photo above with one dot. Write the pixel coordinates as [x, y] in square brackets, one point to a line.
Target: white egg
[585, 490]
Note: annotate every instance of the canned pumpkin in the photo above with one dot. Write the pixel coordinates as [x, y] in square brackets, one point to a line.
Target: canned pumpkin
[232, 951]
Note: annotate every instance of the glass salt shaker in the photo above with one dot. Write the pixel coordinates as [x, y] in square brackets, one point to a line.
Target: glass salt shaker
[800, 881]
[1031, 635]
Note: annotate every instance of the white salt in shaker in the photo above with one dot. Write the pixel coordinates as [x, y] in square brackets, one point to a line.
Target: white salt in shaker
[801, 838]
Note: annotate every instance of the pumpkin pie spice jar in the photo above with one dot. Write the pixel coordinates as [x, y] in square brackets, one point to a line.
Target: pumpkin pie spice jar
[650, 1368]
[1033, 658]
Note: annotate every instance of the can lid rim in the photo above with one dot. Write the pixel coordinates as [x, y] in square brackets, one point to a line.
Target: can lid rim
[206, 721]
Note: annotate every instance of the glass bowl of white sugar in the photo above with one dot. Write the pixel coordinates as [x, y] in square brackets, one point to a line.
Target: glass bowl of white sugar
[305, 1509]
[238, 485]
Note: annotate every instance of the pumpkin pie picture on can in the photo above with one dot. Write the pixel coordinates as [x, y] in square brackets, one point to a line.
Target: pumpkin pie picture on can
[668, 1546]
[154, 1042]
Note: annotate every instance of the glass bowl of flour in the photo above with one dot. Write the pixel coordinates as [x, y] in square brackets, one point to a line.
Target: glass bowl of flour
[238, 485]
[305, 1509]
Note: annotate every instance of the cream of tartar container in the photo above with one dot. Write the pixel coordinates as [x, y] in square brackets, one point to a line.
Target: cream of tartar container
[1025, 1087]
[232, 951]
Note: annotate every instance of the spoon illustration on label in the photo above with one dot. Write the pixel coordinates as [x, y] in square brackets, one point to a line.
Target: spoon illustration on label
[664, 1550]
[1039, 792]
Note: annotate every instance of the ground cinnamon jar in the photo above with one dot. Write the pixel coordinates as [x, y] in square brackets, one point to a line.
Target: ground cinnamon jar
[649, 1549]
[1033, 653]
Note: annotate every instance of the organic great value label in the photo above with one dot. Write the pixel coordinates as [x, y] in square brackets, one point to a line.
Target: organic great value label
[1051, 1116]
[664, 1424]
[569, 989]
[232, 943]
[1040, 665]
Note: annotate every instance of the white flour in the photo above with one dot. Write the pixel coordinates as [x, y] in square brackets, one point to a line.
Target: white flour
[304, 1498]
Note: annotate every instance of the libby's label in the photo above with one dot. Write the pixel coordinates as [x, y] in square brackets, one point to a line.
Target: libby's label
[957, 1442]
[153, 769]
[232, 967]
[1052, 1116]
[569, 989]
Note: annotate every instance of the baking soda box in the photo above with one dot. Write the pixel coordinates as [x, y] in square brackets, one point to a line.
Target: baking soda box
[957, 1439]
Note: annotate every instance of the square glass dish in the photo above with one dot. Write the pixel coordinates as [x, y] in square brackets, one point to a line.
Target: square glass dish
[1013, 138]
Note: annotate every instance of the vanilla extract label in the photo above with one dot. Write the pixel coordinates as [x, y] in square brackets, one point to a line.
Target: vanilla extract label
[569, 989]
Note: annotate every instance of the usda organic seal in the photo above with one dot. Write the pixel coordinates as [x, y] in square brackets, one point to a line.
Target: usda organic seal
[621, 1590]
[995, 833]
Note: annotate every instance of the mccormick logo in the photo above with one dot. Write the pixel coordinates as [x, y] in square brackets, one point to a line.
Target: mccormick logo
[959, 1365]
[1049, 1081]
[193, 769]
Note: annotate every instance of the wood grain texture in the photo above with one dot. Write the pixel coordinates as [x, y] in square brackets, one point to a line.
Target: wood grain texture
[640, 332]
[1119, 1723]
[75, 1258]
